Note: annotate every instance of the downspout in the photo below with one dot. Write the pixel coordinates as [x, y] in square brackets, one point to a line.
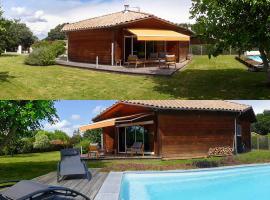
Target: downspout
[235, 132]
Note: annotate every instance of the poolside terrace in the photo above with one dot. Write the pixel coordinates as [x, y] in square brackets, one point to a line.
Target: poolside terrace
[88, 188]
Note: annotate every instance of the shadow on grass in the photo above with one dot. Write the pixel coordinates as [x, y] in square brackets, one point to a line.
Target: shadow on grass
[25, 170]
[9, 55]
[4, 77]
[214, 84]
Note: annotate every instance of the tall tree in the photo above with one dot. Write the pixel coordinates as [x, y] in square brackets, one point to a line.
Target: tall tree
[2, 32]
[56, 33]
[241, 24]
[19, 34]
[17, 117]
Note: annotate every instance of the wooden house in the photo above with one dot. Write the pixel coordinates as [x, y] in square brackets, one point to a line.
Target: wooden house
[112, 38]
[175, 128]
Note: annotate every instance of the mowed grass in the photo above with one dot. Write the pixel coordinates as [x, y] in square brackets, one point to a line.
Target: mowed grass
[218, 78]
[29, 166]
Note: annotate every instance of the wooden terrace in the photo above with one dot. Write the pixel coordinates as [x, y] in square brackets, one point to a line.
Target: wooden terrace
[148, 70]
[88, 188]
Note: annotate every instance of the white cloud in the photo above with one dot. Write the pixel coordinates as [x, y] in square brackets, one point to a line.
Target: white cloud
[37, 16]
[20, 11]
[75, 117]
[50, 14]
[63, 125]
[98, 109]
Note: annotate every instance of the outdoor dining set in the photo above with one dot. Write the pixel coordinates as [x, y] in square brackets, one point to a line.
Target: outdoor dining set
[160, 59]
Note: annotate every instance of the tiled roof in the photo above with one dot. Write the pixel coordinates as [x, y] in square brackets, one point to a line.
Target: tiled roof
[217, 105]
[110, 20]
[209, 105]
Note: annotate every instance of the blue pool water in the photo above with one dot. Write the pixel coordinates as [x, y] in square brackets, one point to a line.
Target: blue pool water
[256, 58]
[248, 183]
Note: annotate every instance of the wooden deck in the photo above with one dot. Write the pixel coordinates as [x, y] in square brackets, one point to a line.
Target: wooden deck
[150, 70]
[89, 188]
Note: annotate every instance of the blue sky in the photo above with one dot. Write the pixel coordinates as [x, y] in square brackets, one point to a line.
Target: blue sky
[74, 114]
[42, 15]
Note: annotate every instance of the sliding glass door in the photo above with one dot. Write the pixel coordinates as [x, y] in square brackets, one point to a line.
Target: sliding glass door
[129, 135]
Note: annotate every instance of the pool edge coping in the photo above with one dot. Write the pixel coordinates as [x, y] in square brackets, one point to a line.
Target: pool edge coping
[105, 192]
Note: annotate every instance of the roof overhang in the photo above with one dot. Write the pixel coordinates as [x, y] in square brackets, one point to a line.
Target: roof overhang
[125, 120]
[158, 35]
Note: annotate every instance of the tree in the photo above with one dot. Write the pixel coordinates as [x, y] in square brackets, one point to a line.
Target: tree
[240, 24]
[41, 142]
[262, 126]
[56, 33]
[76, 137]
[60, 135]
[19, 117]
[3, 32]
[93, 135]
[19, 34]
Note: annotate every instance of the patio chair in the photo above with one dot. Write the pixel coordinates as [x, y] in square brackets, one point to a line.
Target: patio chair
[133, 59]
[71, 165]
[37, 191]
[93, 149]
[136, 148]
[154, 58]
[170, 60]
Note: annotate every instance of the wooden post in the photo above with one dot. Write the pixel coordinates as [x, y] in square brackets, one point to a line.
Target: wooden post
[201, 50]
[97, 62]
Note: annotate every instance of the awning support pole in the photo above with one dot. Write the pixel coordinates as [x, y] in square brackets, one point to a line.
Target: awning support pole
[112, 53]
[235, 135]
[145, 49]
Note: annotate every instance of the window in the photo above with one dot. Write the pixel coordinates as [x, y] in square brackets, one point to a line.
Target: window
[239, 130]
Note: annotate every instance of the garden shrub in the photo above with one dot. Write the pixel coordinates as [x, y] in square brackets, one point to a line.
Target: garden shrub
[42, 56]
[205, 164]
[45, 52]
[27, 145]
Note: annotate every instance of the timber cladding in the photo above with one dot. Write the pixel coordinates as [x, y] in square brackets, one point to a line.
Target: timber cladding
[191, 134]
[84, 46]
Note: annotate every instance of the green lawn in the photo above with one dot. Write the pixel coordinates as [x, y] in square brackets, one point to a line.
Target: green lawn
[218, 78]
[28, 166]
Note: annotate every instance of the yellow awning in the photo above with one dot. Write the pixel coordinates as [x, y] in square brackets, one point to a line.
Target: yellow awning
[110, 122]
[158, 35]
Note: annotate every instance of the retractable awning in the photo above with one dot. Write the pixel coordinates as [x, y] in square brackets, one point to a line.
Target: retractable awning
[112, 122]
[158, 35]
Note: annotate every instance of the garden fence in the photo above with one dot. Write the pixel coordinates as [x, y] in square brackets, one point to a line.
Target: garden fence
[202, 50]
[260, 142]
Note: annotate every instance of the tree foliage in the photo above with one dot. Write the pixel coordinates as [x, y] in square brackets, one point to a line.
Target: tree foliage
[3, 32]
[94, 136]
[41, 142]
[14, 33]
[262, 126]
[18, 34]
[19, 117]
[241, 24]
[56, 33]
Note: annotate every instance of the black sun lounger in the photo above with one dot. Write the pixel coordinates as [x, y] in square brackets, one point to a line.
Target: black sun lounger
[36, 191]
[71, 165]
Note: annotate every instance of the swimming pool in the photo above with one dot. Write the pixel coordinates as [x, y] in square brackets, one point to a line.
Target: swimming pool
[249, 183]
[256, 58]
